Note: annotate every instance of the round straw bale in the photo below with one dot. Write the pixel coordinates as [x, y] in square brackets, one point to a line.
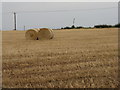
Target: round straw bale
[31, 34]
[52, 34]
[45, 33]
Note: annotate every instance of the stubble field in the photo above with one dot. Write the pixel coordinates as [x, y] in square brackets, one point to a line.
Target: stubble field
[79, 58]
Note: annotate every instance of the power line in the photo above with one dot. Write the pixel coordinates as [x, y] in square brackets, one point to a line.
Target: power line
[62, 10]
[66, 10]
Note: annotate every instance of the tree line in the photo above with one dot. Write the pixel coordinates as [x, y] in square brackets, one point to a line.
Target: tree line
[96, 26]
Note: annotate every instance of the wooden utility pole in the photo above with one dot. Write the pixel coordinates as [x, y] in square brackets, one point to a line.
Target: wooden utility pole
[14, 21]
[24, 28]
[73, 21]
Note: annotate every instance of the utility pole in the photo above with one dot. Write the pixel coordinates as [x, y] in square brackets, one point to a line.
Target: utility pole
[24, 28]
[73, 21]
[14, 21]
[73, 26]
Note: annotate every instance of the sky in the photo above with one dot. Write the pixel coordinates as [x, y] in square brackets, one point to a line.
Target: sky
[59, 0]
[58, 14]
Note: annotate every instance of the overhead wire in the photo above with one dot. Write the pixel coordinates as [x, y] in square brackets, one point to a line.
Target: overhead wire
[71, 10]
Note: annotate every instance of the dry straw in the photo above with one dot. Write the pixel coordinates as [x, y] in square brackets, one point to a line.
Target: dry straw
[32, 34]
[45, 33]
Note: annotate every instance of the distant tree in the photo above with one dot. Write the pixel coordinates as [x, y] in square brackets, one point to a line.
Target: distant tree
[67, 27]
[72, 27]
[96, 26]
[117, 25]
[103, 26]
[79, 27]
